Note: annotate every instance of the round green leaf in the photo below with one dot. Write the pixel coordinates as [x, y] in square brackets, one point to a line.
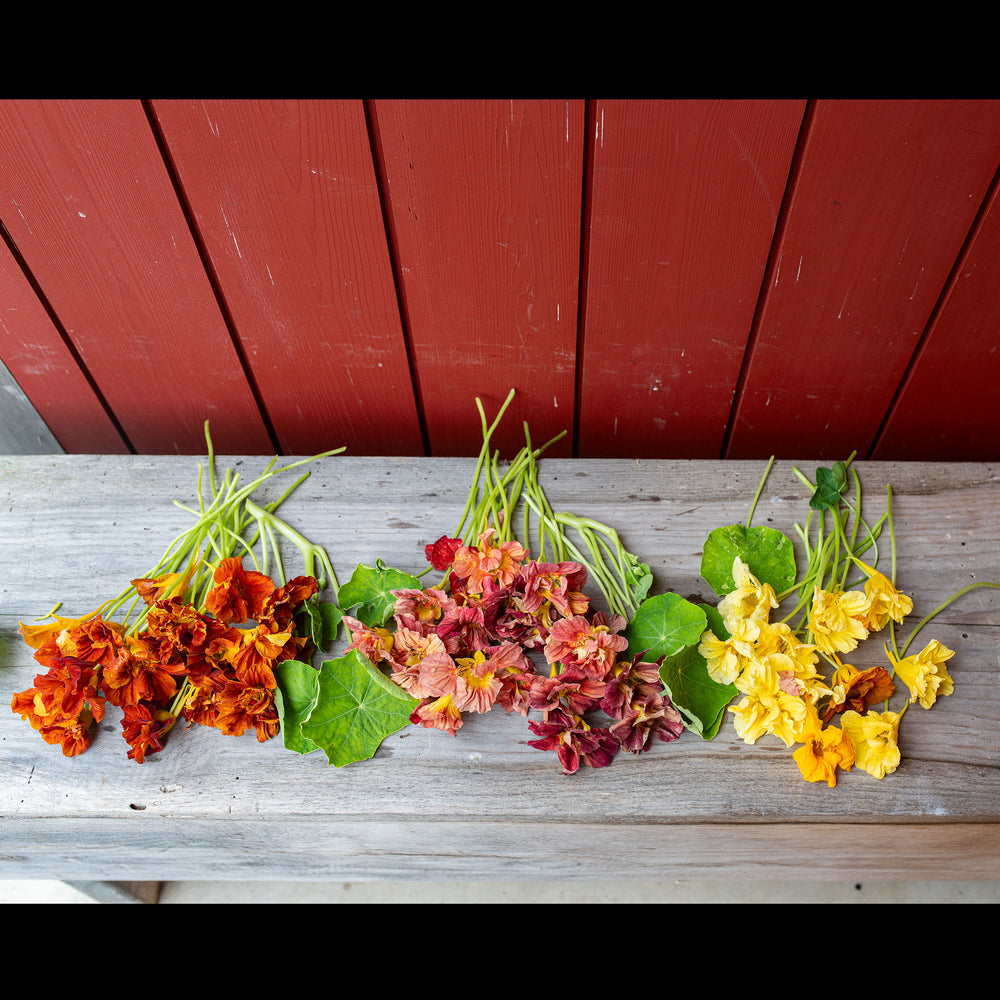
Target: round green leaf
[356, 708]
[664, 624]
[700, 700]
[769, 553]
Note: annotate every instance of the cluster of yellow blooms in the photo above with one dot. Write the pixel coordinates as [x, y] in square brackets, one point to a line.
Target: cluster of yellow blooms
[786, 695]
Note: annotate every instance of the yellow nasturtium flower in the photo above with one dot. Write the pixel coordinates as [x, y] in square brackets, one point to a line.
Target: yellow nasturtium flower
[766, 708]
[925, 674]
[885, 601]
[836, 619]
[873, 737]
[725, 658]
[751, 598]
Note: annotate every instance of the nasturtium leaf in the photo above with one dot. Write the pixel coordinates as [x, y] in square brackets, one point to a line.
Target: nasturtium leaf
[830, 486]
[768, 553]
[356, 708]
[638, 576]
[700, 700]
[331, 617]
[664, 624]
[370, 591]
[294, 698]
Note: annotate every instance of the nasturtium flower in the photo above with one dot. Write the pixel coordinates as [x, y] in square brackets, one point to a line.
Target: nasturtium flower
[574, 740]
[571, 688]
[646, 717]
[137, 675]
[438, 713]
[259, 650]
[238, 594]
[766, 708]
[477, 686]
[726, 658]
[925, 673]
[835, 619]
[824, 750]
[144, 727]
[750, 599]
[885, 601]
[242, 706]
[441, 553]
[547, 586]
[855, 690]
[37, 636]
[874, 738]
[592, 645]
[420, 610]
[475, 564]
[373, 642]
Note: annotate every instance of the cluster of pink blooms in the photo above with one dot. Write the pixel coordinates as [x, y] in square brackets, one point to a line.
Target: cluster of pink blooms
[464, 649]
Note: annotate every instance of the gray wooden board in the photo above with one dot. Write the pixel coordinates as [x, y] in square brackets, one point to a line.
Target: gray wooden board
[483, 804]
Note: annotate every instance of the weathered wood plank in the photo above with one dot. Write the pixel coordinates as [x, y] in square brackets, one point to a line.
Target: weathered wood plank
[484, 804]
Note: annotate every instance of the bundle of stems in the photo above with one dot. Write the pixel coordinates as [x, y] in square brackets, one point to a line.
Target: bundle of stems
[219, 533]
[561, 536]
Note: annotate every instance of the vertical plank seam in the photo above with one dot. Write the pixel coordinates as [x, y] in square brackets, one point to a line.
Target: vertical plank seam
[382, 182]
[586, 194]
[781, 224]
[942, 299]
[66, 339]
[213, 279]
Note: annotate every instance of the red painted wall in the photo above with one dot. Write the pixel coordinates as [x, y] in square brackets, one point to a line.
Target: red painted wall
[663, 278]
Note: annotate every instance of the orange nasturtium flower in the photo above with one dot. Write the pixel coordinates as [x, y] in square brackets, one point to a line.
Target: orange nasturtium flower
[37, 636]
[823, 750]
[239, 594]
[857, 689]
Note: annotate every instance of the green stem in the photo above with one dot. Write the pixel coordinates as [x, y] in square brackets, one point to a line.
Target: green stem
[923, 621]
[760, 488]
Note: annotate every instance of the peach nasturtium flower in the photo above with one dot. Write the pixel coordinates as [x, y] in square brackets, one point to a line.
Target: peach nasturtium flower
[486, 561]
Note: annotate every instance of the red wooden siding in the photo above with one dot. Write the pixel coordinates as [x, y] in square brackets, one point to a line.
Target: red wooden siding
[684, 198]
[484, 201]
[89, 205]
[692, 279]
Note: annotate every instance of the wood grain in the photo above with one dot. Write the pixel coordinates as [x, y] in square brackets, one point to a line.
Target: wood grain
[885, 195]
[946, 406]
[91, 209]
[285, 196]
[483, 804]
[683, 200]
[484, 202]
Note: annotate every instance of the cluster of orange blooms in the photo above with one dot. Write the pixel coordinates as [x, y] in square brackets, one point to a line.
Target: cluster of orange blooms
[211, 665]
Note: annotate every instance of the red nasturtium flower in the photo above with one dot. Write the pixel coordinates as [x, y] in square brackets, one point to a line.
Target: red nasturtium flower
[442, 552]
